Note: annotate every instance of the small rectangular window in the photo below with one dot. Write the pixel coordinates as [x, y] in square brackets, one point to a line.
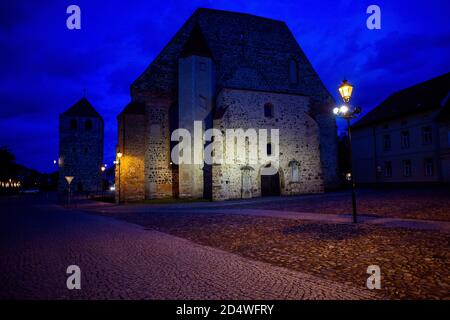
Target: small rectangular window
[268, 110]
[293, 72]
[429, 167]
[295, 174]
[427, 137]
[387, 142]
[269, 149]
[406, 167]
[405, 139]
[388, 169]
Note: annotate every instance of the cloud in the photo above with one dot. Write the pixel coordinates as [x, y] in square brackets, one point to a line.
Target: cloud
[405, 52]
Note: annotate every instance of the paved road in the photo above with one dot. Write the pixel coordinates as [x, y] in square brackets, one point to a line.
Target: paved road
[119, 260]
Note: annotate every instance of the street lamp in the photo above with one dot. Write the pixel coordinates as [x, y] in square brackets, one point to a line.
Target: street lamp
[119, 156]
[102, 169]
[345, 90]
[347, 113]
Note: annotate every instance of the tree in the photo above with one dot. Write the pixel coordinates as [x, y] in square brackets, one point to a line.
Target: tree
[8, 166]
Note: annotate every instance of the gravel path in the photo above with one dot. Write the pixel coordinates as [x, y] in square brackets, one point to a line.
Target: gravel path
[119, 260]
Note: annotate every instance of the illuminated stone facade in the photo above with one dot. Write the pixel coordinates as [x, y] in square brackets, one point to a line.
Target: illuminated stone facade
[223, 68]
[298, 139]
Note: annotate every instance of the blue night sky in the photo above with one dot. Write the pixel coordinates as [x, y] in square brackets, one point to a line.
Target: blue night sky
[45, 67]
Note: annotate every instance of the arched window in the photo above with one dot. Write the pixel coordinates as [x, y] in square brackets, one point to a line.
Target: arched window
[247, 182]
[269, 149]
[88, 125]
[73, 123]
[293, 71]
[295, 171]
[268, 110]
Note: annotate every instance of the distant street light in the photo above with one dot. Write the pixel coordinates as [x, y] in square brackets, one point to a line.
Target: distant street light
[119, 156]
[347, 113]
[103, 168]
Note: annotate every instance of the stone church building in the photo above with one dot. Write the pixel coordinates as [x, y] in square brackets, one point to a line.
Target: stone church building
[80, 148]
[229, 70]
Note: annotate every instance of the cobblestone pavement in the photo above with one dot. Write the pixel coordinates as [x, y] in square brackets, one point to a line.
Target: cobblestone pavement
[119, 260]
[431, 203]
[414, 261]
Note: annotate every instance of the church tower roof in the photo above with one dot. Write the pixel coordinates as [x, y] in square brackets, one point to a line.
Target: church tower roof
[82, 108]
[196, 44]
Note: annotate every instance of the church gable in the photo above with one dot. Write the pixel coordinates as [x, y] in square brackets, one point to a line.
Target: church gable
[237, 43]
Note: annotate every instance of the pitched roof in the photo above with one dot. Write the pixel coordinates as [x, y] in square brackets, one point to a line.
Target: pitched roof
[133, 108]
[238, 43]
[196, 44]
[82, 108]
[424, 96]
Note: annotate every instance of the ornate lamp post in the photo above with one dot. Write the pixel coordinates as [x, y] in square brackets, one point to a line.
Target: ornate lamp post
[119, 156]
[347, 113]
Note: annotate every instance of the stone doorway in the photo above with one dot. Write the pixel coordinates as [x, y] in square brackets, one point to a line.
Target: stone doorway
[270, 185]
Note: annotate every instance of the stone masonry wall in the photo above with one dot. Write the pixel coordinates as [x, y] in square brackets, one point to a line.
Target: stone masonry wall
[158, 168]
[130, 184]
[80, 154]
[299, 142]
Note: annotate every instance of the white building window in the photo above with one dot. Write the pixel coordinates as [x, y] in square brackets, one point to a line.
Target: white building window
[427, 137]
[388, 169]
[429, 167]
[406, 167]
[386, 142]
[405, 139]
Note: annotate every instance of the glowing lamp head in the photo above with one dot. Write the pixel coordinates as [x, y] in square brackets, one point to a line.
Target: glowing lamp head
[336, 111]
[343, 109]
[103, 168]
[345, 90]
[119, 155]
